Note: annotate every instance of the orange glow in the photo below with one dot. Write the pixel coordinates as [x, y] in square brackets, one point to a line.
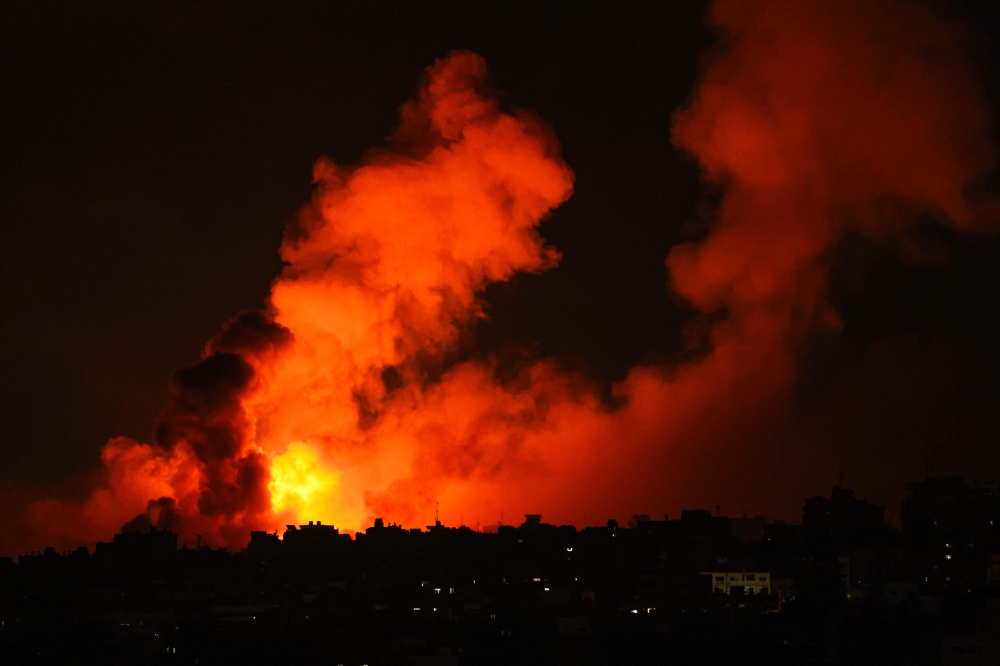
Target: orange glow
[302, 485]
[286, 417]
[337, 403]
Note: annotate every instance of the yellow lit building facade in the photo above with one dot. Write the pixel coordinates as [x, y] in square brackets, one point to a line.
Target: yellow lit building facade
[743, 582]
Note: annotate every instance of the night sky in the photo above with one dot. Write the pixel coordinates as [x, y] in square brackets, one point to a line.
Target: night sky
[153, 154]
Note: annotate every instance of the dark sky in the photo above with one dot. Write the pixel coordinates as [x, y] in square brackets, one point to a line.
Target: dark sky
[152, 153]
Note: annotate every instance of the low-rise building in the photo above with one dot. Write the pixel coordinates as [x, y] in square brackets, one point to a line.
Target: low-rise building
[740, 582]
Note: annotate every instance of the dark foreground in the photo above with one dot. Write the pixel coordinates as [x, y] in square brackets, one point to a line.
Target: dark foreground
[842, 588]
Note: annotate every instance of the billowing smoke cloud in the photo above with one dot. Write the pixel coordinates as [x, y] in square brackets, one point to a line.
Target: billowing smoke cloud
[203, 474]
[341, 402]
[384, 270]
[812, 121]
[278, 421]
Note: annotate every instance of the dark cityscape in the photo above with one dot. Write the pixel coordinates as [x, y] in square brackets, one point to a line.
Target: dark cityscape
[842, 587]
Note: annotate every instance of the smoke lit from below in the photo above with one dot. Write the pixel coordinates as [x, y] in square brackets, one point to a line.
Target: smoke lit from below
[341, 401]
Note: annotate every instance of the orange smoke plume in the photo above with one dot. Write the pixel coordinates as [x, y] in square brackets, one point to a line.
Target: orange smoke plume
[384, 268]
[813, 120]
[339, 402]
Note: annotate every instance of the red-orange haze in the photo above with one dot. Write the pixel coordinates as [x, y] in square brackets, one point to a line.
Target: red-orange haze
[812, 119]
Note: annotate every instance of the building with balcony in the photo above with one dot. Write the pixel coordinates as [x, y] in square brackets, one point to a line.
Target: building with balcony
[740, 582]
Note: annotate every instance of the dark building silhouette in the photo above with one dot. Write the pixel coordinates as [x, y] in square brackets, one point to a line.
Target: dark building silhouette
[951, 509]
[313, 538]
[955, 526]
[748, 529]
[263, 545]
[138, 545]
[842, 520]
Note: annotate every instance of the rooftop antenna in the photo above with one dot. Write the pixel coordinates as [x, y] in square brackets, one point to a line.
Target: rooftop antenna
[840, 477]
[437, 512]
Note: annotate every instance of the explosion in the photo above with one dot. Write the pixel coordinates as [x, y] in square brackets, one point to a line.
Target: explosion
[287, 416]
[302, 484]
[341, 400]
